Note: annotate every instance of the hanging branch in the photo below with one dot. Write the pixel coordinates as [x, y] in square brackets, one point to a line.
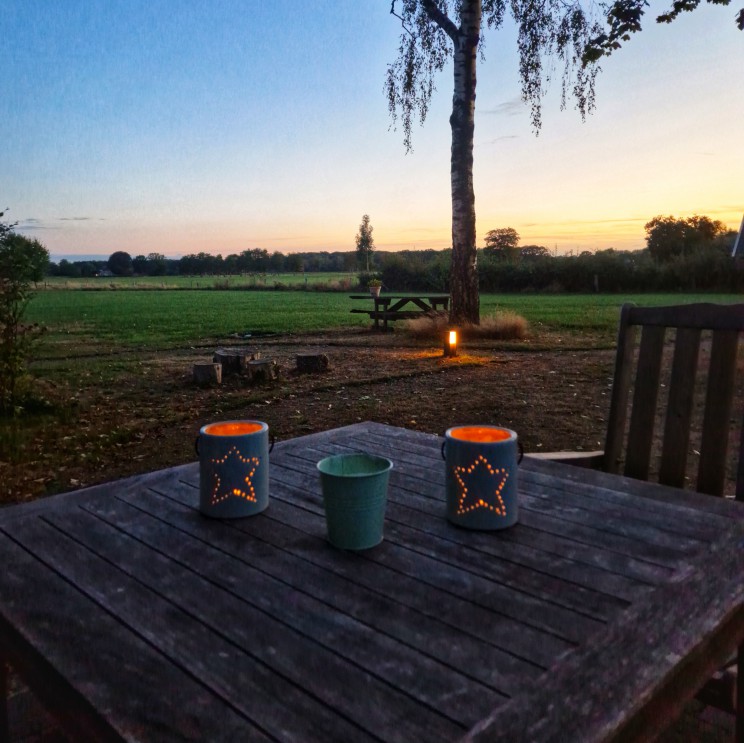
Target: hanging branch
[402, 21]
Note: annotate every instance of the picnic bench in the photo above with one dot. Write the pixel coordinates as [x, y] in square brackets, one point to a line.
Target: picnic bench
[391, 307]
[594, 618]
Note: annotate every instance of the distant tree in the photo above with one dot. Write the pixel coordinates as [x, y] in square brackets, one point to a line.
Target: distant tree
[87, 269]
[533, 252]
[67, 269]
[276, 262]
[120, 263]
[293, 263]
[139, 265]
[22, 263]
[365, 244]
[668, 237]
[502, 243]
[156, 264]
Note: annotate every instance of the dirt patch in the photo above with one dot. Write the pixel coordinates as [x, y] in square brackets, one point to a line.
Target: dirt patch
[132, 412]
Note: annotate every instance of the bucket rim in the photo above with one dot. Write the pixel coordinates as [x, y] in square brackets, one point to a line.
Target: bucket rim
[385, 464]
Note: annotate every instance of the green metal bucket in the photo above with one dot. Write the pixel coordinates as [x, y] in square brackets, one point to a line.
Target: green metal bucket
[354, 490]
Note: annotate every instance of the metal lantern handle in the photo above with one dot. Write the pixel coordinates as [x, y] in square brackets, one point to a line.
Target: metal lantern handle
[272, 441]
[444, 443]
[196, 445]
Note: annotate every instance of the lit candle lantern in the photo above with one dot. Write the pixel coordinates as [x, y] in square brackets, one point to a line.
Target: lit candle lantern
[233, 468]
[450, 343]
[481, 476]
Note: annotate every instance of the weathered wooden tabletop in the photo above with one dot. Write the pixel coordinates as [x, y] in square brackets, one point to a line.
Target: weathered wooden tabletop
[134, 617]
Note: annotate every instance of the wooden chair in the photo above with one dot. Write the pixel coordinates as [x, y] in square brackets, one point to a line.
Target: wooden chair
[628, 448]
[629, 445]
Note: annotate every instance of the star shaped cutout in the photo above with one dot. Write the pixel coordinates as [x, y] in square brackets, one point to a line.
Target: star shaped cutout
[482, 481]
[250, 465]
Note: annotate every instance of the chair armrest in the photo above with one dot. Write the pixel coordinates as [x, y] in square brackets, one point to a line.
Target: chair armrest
[589, 459]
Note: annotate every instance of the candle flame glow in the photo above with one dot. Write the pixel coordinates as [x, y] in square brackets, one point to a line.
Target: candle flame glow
[452, 337]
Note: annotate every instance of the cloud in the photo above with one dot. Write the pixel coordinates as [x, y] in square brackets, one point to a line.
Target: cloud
[514, 107]
[75, 219]
[434, 230]
[281, 239]
[498, 139]
[31, 225]
[619, 220]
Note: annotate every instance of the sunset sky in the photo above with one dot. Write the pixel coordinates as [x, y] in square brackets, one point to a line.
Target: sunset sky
[177, 126]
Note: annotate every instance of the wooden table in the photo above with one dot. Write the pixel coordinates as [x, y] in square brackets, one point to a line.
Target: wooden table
[133, 617]
[391, 307]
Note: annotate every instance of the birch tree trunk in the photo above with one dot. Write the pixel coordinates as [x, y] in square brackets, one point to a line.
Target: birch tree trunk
[464, 298]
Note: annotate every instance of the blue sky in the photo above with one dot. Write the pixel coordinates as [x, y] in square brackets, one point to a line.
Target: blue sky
[183, 126]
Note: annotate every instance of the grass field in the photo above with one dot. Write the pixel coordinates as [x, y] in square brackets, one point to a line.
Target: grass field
[163, 319]
[200, 282]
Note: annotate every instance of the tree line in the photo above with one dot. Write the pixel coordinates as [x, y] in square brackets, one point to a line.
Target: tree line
[255, 261]
[685, 254]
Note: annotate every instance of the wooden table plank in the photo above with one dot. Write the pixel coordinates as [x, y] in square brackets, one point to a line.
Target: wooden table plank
[203, 652]
[434, 536]
[529, 518]
[653, 659]
[113, 680]
[428, 634]
[306, 532]
[217, 558]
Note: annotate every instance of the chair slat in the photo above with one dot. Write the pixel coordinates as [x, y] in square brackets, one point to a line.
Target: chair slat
[679, 408]
[642, 418]
[703, 316]
[620, 390]
[740, 480]
[719, 397]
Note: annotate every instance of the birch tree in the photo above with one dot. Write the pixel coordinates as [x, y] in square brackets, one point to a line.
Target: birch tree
[436, 31]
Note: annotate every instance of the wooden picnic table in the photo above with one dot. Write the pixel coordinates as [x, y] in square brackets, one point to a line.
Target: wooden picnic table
[391, 307]
[133, 617]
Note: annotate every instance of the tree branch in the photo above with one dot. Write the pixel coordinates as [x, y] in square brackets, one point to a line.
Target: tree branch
[400, 17]
[441, 19]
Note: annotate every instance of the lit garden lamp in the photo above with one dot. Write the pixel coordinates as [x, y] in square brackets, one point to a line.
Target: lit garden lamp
[450, 343]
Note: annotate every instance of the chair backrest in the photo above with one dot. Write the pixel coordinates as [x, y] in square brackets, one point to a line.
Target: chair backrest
[679, 393]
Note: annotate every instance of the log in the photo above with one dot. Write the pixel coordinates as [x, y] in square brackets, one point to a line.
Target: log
[262, 371]
[312, 362]
[206, 374]
[235, 360]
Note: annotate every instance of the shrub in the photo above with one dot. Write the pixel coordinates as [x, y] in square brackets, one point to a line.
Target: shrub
[22, 261]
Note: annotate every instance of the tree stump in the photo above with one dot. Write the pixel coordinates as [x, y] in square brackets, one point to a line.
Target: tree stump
[206, 374]
[235, 360]
[263, 371]
[312, 362]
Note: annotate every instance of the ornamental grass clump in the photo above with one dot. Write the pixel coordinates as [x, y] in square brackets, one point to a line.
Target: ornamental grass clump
[504, 326]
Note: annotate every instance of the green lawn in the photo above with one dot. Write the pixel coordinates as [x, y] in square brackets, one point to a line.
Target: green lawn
[199, 282]
[163, 319]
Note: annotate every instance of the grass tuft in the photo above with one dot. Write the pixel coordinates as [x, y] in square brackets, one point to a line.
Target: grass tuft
[505, 326]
